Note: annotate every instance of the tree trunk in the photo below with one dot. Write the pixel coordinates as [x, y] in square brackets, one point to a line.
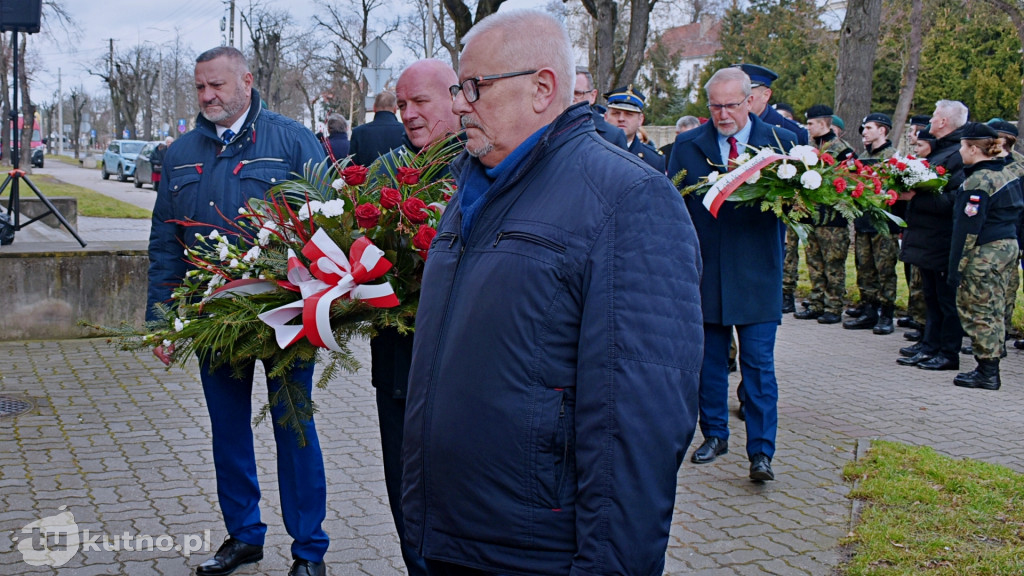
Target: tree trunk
[636, 45]
[5, 87]
[913, 65]
[28, 109]
[855, 70]
[605, 15]
[1013, 10]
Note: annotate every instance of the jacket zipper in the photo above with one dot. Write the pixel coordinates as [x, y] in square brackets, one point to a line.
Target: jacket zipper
[198, 166]
[242, 163]
[528, 237]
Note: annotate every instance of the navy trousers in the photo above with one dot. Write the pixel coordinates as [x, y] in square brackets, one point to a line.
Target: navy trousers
[300, 470]
[757, 368]
[942, 331]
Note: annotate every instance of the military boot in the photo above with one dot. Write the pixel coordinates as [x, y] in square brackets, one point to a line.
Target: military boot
[985, 376]
[866, 321]
[884, 325]
[788, 304]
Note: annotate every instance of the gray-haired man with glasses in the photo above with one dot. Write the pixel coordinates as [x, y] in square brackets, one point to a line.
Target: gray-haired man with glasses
[741, 287]
[584, 91]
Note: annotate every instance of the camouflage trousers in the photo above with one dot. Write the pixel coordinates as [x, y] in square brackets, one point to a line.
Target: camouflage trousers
[916, 307]
[981, 298]
[875, 256]
[826, 252]
[1012, 285]
[791, 265]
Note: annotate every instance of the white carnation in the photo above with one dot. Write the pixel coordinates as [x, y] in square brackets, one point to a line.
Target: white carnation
[223, 252]
[233, 263]
[214, 235]
[786, 171]
[178, 325]
[806, 154]
[333, 208]
[252, 254]
[263, 237]
[713, 177]
[753, 178]
[742, 159]
[810, 180]
[308, 209]
[338, 184]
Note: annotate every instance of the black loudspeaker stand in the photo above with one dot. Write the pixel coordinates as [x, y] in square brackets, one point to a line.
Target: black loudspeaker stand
[13, 221]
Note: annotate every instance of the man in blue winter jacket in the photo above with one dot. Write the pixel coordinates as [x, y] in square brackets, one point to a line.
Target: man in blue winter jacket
[552, 393]
[237, 151]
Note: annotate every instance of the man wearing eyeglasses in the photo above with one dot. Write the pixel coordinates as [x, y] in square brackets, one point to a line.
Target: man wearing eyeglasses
[584, 91]
[742, 283]
[553, 388]
[626, 110]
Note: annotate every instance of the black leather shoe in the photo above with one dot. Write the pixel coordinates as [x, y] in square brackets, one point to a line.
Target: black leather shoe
[908, 322]
[911, 350]
[808, 314]
[761, 468]
[862, 322]
[855, 311]
[307, 568]
[915, 359]
[711, 449]
[1018, 344]
[940, 363]
[914, 336]
[830, 318]
[788, 305]
[232, 555]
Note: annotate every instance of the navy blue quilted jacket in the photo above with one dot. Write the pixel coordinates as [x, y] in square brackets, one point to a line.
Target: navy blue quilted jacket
[553, 389]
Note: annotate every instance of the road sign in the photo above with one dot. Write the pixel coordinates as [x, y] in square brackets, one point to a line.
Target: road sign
[377, 51]
[377, 78]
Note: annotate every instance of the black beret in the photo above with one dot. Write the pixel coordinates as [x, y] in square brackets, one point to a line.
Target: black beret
[877, 118]
[926, 135]
[978, 131]
[784, 106]
[819, 111]
[920, 120]
[1004, 127]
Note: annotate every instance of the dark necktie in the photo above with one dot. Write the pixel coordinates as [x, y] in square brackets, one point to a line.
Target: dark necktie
[734, 152]
[229, 134]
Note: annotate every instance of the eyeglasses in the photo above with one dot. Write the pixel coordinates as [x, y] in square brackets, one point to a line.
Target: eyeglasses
[730, 106]
[470, 87]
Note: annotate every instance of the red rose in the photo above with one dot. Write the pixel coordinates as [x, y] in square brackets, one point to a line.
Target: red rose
[840, 185]
[940, 170]
[901, 166]
[828, 159]
[926, 164]
[877, 184]
[893, 196]
[893, 161]
[858, 190]
[415, 210]
[407, 175]
[367, 215]
[354, 175]
[390, 197]
[424, 236]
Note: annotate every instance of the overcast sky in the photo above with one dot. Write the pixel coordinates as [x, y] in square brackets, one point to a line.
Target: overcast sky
[133, 22]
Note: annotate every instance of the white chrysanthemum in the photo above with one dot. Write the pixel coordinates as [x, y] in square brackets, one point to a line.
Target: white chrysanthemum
[338, 184]
[252, 254]
[713, 177]
[754, 177]
[806, 154]
[333, 208]
[810, 180]
[178, 325]
[263, 237]
[786, 171]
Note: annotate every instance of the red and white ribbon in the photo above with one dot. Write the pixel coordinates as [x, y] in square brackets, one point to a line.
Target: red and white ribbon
[331, 275]
[727, 184]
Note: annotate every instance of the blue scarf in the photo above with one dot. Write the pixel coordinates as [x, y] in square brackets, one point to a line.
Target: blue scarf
[477, 187]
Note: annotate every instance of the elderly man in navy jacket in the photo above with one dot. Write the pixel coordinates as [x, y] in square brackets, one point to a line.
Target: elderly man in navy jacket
[742, 282]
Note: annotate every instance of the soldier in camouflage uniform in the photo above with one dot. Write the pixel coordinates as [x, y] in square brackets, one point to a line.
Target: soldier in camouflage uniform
[828, 244]
[986, 210]
[875, 252]
[1015, 164]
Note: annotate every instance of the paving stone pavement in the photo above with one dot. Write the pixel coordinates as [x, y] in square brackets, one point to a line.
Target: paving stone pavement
[122, 442]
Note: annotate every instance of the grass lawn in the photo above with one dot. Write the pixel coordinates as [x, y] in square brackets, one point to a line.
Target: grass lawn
[90, 203]
[931, 514]
[803, 287]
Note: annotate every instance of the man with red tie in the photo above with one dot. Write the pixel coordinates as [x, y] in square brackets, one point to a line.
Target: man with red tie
[741, 286]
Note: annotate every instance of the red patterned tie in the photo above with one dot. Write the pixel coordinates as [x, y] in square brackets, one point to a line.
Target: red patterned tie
[734, 153]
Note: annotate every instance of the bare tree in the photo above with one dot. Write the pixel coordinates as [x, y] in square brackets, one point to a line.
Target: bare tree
[464, 19]
[427, 32]
[132, 78]
[910, 71]
[609, 63]
[858, 42]
[349, 31]
[269, 34]
[78, 102]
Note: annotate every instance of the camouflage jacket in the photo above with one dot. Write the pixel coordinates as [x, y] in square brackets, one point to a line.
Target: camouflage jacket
[987, 207]
[837, 148]
[873, 156]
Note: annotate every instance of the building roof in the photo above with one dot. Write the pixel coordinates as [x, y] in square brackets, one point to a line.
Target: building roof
[696, 40]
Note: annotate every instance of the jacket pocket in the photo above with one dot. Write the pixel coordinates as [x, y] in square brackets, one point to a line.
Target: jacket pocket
[183, 185]
[269, 172]
[556, 467]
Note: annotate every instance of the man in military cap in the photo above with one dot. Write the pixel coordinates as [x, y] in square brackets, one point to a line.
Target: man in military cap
[875, 251]
[584, 91]
[829, 242]
[917, 123]
[626, 110]
[838, 126]
[761, 79]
